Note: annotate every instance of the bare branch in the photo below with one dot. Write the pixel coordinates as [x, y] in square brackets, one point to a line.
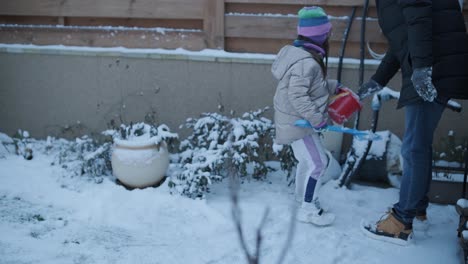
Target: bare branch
[289, 238]
[236, 212]
[259, 234]
[234, 184]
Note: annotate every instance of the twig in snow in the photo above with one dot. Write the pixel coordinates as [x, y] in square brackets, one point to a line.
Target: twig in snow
[289, 238]
[237, 217]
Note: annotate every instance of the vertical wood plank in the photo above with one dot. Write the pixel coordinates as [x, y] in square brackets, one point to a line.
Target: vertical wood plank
[213, 23]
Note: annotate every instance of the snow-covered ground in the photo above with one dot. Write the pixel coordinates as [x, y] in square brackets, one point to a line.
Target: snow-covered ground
[48, 218]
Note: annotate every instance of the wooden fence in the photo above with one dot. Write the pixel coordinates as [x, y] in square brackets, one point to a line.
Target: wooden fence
[233, 25]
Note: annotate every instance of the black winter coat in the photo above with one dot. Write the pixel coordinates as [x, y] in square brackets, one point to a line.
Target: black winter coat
[424, 33]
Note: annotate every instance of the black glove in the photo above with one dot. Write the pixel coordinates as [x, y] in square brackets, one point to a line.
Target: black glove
[422, 81]
[369, 88]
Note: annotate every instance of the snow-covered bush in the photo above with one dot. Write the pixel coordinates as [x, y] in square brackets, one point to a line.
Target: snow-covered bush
[286, 158]
[141, 132]
[202, 154]
[83, 157]
[22, 144]
[91, 157]
[200, 159]
[450, 148]
[6, 145]
[246, 139]
[252, 143]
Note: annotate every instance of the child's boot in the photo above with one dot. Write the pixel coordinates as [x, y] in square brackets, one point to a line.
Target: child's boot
[314, 214]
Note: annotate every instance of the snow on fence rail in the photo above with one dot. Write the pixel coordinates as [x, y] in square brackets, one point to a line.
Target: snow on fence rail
[233, 25]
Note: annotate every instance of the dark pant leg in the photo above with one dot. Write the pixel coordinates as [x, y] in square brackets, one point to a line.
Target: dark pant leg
[421, 120]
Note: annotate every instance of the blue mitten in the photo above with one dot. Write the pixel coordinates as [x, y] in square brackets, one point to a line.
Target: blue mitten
[422, 81]
[369, 88]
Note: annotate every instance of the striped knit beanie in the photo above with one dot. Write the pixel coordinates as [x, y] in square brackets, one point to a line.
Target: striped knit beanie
[314, 24]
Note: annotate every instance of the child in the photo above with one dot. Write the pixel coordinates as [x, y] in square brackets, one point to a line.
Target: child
[303, 93]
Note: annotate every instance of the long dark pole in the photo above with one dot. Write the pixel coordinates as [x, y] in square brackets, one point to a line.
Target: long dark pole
[355, 162]
[344, 42]
[362, 54]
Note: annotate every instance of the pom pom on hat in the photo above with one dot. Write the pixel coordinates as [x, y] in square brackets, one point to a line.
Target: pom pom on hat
[314, 24]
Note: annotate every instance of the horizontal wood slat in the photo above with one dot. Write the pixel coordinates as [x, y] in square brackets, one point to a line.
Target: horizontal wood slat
[103, 38]
[285, 28]
[104, 21]
[323, 3]
[305, 2]
[272, 46]
[188, 9]
[336, 11]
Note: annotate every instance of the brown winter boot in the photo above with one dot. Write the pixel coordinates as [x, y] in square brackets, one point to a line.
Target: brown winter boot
[391, 230]
[392, 226]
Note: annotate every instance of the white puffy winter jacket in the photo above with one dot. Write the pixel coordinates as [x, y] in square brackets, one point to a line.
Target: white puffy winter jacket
[302, 93]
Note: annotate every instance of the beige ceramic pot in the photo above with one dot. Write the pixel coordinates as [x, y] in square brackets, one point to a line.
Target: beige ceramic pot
[141, 164]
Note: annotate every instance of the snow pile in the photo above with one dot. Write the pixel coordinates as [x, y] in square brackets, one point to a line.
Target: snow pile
[463, 203]
[46, 218]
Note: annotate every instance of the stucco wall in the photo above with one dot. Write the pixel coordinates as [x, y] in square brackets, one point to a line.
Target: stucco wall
[45, 92]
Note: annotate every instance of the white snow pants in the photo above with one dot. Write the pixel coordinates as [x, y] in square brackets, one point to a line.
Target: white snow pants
[312, 162]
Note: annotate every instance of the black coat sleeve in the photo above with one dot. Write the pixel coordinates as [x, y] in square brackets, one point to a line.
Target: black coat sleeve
[418, 16]
[388, 67]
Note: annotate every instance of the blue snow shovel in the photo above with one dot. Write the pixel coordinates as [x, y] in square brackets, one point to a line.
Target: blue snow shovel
[360, 134]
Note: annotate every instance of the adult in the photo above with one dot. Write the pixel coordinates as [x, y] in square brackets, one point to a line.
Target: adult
[427, 41]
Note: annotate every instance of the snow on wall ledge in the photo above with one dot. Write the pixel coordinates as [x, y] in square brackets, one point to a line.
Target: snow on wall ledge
[177, 54]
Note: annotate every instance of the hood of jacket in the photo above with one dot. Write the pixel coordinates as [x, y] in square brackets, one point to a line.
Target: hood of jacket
[287, 56]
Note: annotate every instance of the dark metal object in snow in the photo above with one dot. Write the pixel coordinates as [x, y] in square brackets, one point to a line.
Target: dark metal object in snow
[466, 172]
[354, 161]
